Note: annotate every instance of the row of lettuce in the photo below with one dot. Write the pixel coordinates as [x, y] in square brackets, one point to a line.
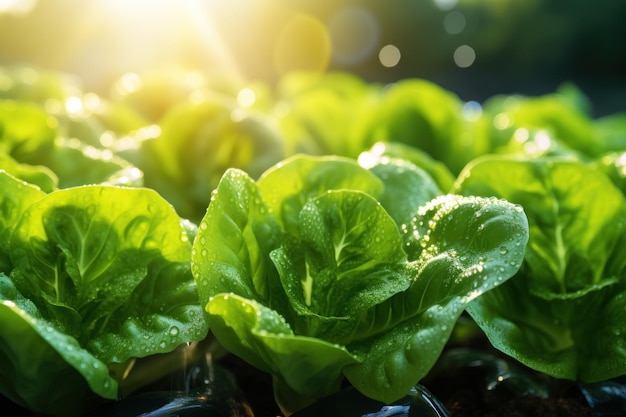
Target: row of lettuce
[327, 222]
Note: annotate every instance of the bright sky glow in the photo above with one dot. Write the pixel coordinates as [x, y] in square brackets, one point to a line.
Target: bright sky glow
[17, 7]
[137, 35]
[238, 39]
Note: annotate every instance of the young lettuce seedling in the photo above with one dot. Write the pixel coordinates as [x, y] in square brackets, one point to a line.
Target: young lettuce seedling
[324, 270]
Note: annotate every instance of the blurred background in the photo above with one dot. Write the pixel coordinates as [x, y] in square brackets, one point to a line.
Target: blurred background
[475, 48]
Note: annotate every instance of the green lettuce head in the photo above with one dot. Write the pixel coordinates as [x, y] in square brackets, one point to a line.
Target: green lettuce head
[564, 312]
[323, 270]
[91, 277]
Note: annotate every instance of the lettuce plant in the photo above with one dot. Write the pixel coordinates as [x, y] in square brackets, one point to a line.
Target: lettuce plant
[90, 277]
[198, 141]
[563, 313]
[324, 270]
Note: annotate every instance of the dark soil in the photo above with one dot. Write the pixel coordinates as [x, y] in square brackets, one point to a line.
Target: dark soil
[462, 392]
[461, 397]
[256, 386]
[469, 404]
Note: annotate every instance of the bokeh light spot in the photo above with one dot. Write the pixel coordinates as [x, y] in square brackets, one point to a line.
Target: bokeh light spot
[73, 105]
[502, 121]
[389, 56]
[464, 56]
[128, 83]
[454, 22]
[445, 4]
[472, 110]
[354, 32]
[521, 135]
[302, 45]
[246, 97]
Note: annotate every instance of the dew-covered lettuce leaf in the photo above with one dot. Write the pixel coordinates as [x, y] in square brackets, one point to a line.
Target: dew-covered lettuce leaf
[394, 150]
[15, 197]
[97, 275]
[307, 276]
[563, 312]
[37, 357]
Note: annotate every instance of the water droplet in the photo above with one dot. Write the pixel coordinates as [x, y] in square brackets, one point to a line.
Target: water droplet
[504, 250]
[174, 331]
